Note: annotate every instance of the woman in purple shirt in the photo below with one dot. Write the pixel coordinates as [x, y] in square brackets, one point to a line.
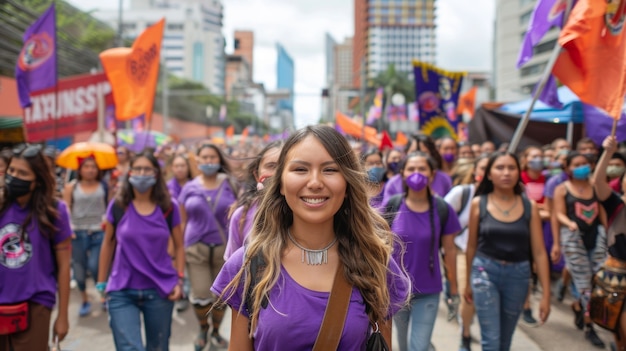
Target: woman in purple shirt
[422, 232]
[181, 171]
[259, 171]
[143, 280]
[314, 222]
[205, 202]
[35, 251]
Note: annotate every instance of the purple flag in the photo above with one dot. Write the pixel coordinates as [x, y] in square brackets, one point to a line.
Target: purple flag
[36, 67]
[549, 95]
[222, 113]
[598, 125]
[547, 14]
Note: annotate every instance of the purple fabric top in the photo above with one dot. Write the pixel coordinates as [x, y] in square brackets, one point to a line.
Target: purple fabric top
[236, 237]
[141, 260]
[27, 268]
[377, 201]
[174, 188]
[413, 229]
[441, 184]
[295, 313]
[203, 223]
[552, 183]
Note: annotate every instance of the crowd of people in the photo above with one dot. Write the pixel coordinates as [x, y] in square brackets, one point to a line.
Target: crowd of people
[313, 231]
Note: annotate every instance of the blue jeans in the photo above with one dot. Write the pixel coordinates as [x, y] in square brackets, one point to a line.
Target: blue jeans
[125, 307]
[85, 255]
[421, 315]
[499, 289]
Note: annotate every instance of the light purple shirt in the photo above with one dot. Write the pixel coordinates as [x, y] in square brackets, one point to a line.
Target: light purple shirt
[552, 183]
[28, 267]
[203, 223]
[441, 184]
[237, 237]
[174, 188]
[294, 314]
[141, 260]
[413, 229]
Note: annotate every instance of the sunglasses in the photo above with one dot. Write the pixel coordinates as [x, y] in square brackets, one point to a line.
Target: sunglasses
[27, 151]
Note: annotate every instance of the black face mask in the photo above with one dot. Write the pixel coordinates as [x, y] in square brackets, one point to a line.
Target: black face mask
[16, 187]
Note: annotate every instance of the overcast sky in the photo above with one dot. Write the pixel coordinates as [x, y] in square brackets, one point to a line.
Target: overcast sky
[464, 38]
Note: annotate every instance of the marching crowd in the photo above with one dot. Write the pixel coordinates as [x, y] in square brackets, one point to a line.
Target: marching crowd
[317, 233]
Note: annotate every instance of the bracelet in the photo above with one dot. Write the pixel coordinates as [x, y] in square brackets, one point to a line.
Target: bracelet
[101, 286]
[181, 275]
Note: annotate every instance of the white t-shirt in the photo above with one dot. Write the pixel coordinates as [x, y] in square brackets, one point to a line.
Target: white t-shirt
[454, 199]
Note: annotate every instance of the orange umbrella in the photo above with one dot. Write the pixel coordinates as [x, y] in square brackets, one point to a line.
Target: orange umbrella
[104, 154]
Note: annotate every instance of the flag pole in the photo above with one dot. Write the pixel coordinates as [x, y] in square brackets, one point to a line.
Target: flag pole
[57, 108]
[614, 129]
[521, 127]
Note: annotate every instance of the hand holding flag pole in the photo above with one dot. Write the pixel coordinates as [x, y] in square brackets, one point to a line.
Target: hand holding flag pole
[521, 127]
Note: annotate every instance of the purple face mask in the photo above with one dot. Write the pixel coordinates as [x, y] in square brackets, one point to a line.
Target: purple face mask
[449, 158]
[417, 181]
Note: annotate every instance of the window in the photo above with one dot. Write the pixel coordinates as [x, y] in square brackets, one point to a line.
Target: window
[175, 26]
[533, 69]
[523, 19]
[544, 47]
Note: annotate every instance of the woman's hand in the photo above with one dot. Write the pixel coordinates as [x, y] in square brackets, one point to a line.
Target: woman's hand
[468, 295]
[176, 294]
[61, 327]
[544, 309]
[572, 226]
[555, 253]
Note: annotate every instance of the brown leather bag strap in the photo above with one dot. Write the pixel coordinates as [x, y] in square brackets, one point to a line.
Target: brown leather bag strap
[335, 314]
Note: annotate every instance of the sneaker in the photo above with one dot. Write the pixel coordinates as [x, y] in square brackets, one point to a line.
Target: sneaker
[466, 341]
[85, 309]
[593, 338]
[528, 318]
[218, 341]
[181, 305]
[579, 318]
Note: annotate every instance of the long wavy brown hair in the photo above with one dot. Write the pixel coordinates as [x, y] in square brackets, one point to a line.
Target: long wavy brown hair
[364, 239]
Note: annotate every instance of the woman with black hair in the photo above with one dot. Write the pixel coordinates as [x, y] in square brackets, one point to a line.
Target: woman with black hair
[441, 182]
[205, 202]
[181, 174]
[422, 230]
[372, 161]
[35, 254]
[582, 236]
[143, 280]
[504, 233]
[259, 172]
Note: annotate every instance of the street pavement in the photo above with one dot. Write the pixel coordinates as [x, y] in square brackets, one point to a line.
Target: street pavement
[92, 333]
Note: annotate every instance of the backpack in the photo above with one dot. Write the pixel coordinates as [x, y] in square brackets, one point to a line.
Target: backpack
[391, 210]
[118, 212]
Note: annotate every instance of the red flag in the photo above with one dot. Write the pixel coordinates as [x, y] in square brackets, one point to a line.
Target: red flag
[467, 103]
[593, 62]
[385, 142]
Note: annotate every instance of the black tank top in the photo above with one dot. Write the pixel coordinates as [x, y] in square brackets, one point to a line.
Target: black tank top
[586, 214]
[505, 241]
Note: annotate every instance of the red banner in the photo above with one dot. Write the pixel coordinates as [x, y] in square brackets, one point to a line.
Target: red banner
[77, 108]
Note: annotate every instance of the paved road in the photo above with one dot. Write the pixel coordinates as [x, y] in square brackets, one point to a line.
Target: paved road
[92, 333]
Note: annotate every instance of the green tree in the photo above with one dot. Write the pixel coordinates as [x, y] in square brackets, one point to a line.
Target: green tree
[393, 82]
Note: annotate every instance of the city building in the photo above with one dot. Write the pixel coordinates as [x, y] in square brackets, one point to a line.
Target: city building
[387, 32]
[511, 23]
[280, 102]
[244, 46]
[237, 74]
[193, 43]
[339, 89]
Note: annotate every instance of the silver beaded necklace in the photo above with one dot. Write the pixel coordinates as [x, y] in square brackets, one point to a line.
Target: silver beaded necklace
[313, 257]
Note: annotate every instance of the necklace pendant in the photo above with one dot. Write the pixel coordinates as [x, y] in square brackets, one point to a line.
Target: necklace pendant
[506, 213]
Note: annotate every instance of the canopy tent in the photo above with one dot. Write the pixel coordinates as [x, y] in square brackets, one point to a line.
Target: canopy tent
[572, 110]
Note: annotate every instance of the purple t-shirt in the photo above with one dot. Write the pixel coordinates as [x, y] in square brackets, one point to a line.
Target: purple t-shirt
[27, 268]
[174, 188]
[552, 183]
[205, 224]
[441, 184]
[413, 229]
[237, 237]
[294, 314]
[141, 260]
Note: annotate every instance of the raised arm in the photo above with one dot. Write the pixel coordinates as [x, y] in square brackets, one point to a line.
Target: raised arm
[600, 185]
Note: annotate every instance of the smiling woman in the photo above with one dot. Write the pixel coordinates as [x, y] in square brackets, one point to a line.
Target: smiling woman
[314, 233]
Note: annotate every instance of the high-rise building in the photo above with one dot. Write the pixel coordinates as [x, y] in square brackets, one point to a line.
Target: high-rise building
[244, 47]
[392, 32]
[512, 17]
[285, 76]
[193, 43]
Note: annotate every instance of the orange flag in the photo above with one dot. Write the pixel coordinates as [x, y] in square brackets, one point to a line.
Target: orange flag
[133, 73]
[352, 127]
[244, 136]
[467, 103]
[593, 62]
[401, 139]
[230, 131]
